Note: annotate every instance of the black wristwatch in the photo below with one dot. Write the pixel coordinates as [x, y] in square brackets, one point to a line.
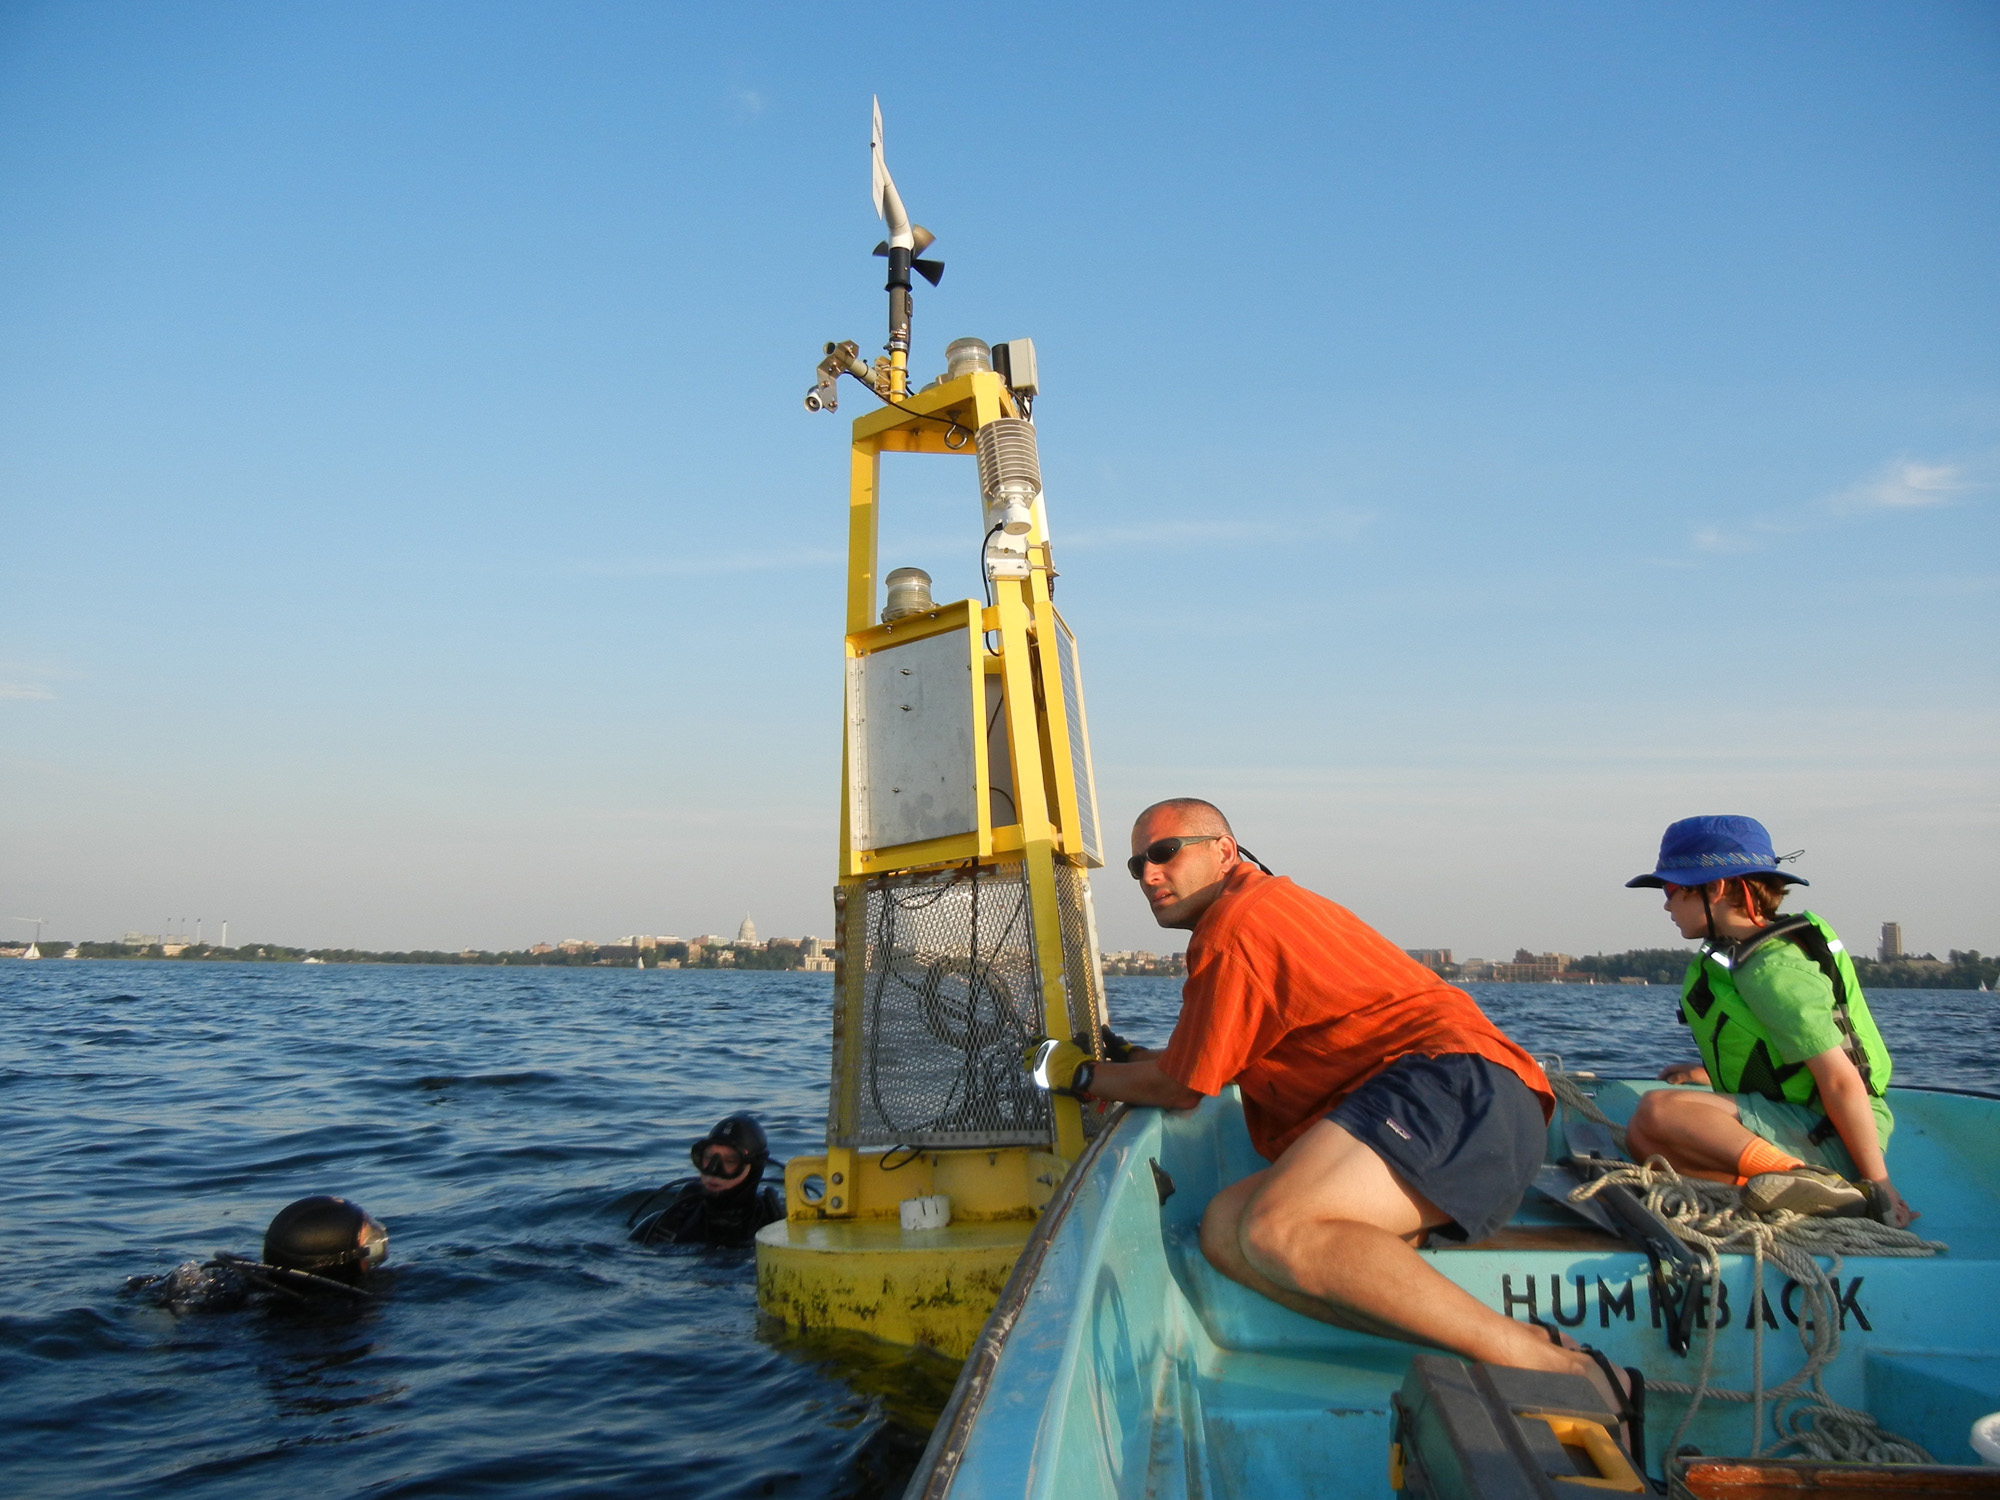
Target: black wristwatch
[1079, 1083]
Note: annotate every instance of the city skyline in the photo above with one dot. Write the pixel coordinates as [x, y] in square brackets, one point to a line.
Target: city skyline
[1891, 947]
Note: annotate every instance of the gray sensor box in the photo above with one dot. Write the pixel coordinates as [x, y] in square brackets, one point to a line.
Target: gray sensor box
[1015, 362]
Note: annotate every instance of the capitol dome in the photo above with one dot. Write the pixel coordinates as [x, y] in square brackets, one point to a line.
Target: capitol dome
[747, 933]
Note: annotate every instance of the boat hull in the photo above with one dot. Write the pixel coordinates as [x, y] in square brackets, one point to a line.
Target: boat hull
[1119, 1363]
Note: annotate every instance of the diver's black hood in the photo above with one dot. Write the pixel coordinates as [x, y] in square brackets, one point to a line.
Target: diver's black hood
[326, 1236]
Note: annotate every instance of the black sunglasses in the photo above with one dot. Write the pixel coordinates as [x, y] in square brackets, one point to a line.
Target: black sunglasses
[1161, 850]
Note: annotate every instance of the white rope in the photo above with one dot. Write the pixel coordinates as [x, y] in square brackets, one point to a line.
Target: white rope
[1711, 1219]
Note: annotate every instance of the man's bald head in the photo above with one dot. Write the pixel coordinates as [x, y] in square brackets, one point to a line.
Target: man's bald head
[1188, 815]
[1184, 885]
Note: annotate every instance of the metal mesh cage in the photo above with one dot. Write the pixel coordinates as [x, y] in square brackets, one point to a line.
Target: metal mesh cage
[1079, 747]
[1083, 971]
[939, 993]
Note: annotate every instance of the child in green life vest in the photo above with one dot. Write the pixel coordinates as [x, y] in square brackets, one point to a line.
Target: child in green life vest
[1795, 1071]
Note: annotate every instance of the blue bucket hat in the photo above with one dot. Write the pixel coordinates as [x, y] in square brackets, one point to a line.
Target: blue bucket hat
[1717, 846]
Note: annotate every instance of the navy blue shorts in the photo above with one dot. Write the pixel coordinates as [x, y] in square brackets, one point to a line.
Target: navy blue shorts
[1464, 1132]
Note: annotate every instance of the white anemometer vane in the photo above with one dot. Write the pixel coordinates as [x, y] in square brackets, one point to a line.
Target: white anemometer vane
[882, 190]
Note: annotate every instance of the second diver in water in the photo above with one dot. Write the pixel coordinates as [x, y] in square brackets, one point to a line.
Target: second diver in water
[727, 1203]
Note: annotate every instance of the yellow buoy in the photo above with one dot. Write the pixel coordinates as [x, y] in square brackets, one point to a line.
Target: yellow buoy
[963, 922]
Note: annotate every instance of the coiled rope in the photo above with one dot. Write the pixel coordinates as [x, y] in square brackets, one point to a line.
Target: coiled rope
[1709, 1217]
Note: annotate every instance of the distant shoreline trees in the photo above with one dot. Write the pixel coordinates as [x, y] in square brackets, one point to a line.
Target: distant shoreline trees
[1966, 970]
[776, 955]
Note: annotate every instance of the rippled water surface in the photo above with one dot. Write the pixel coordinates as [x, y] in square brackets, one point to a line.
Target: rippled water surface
[501, 1123]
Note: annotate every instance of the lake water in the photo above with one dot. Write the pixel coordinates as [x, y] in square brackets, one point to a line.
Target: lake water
[501, 1122]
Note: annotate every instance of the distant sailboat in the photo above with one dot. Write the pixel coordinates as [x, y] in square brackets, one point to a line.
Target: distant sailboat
[34, 951]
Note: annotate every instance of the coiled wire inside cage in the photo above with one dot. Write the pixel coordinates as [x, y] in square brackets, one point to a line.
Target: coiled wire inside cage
[950, 996]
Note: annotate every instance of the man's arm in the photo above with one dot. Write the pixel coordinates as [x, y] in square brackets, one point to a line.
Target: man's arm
[1141, 1082]
[1846, 1099]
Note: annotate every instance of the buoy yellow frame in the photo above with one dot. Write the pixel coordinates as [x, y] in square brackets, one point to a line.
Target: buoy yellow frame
[841, 1259]
[1023, 640]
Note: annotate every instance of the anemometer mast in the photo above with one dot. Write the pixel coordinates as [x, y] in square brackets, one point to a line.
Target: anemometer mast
[889, 376]
[968, 828]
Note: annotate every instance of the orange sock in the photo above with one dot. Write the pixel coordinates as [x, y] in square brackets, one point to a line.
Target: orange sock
[1761, 1156]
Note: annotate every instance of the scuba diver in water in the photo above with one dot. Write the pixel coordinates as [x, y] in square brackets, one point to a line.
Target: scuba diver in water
[727, 1204]
[318, 1250]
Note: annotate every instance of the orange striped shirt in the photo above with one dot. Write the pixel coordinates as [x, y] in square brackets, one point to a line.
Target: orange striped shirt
[1299, 1002]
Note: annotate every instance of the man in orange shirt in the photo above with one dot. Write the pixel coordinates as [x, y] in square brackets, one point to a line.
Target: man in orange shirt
[1390, 1107]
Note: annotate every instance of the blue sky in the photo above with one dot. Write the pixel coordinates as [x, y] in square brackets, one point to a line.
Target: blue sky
[1474, 436]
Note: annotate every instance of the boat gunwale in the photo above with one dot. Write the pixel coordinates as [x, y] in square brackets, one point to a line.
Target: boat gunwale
[938, 1467]
[1942, 1088]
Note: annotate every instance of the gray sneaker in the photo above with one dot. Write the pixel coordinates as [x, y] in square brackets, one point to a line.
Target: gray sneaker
[1813, 1191]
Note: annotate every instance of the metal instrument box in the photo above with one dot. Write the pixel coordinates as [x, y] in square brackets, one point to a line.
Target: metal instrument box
[1487, 1432]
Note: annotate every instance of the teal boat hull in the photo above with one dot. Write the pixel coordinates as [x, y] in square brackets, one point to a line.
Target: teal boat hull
[1118, 1362]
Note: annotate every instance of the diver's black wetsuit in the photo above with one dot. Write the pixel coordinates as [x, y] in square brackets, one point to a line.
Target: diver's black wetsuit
[692, 1217]
[226, 1282]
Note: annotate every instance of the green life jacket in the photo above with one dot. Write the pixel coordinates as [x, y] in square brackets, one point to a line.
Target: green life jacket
[1736, 1048]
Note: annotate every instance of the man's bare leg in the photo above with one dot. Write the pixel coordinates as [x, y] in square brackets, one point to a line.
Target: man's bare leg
[1326, 1232]
[1221, 1244]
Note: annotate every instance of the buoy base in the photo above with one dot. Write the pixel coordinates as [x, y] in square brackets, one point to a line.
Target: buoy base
[930, 1288]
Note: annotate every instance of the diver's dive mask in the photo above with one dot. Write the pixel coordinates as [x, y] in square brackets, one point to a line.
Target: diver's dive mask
[374, 1246]
[716, 1161]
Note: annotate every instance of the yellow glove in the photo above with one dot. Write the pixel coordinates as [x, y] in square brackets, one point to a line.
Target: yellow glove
[1060, 1067]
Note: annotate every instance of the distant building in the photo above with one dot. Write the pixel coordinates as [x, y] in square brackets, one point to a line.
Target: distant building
[575, 945]
[1892, 942]
[747, 933]
[1530, 968]
[541, 948]
[812, 947]
[1437, 960]
[1143, 961]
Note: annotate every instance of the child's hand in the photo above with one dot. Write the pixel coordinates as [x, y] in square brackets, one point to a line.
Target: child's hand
[1889, 1206]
